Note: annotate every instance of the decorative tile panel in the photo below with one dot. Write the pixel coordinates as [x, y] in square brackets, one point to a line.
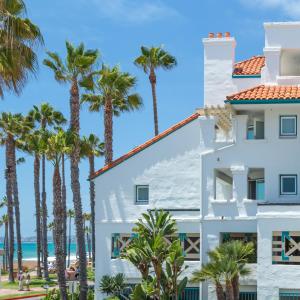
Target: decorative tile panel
[286, 247]
[190, 243]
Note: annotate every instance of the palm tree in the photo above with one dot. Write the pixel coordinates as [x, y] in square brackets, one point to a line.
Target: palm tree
[113, 96]
[56, 145]
[92, 147]
[150, 60]
[87, 218]
[70, 214]
[45, 116]
[12, 126]
[4, 222]
[240, 252]
[227, 263]
[18, 37]
[211, 272]
[34, 145]
[77, 71]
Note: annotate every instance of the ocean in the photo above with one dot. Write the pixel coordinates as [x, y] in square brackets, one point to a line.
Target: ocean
[29, 250]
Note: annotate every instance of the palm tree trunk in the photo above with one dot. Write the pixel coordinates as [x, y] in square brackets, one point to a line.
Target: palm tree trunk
[229, 290]
[108, 131]
[236, 288]
[69, 242]
[6, 246]
[220, 292]
[44, 218]
[75, 185]
[64, 200]
[88, 244]
[38, 212]
[152, 78]
[92, 201]
[17, 208]
[10, 209]
[58, 213]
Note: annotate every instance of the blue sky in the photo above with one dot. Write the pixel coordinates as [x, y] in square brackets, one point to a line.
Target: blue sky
[118, 28]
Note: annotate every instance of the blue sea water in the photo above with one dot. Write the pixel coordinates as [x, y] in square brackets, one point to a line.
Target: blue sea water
[29, 250]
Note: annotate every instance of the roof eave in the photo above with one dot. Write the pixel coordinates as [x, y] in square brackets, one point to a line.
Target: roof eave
[246, 76]
[263, 101]
[145, 145]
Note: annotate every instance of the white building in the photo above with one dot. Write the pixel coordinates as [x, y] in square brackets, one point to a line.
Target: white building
[223, 173]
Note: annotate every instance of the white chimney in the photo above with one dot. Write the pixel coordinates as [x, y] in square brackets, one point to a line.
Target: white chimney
[219, 53]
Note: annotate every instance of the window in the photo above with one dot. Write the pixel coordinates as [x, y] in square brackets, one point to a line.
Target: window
[142, 194]
[288, 126]
[256, 189]
[289, 62]
[288, 184]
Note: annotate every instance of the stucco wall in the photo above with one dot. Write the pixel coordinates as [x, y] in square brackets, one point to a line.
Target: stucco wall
[271, 278]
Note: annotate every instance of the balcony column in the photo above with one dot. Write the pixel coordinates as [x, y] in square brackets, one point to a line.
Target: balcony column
[240, 128]
[239, 184]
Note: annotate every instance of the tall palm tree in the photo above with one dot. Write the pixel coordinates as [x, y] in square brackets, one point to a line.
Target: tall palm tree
[92, 147]
[113, 96]
[87, 218]
[77, 70]
[56, 145]
[19, 38]
[25, 127]
[70, 215]
[45, 116]
[150, 60]
[4, 222]
[33, 144]
[12, 126]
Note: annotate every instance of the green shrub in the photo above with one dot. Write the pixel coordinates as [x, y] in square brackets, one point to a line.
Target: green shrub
[54, 294]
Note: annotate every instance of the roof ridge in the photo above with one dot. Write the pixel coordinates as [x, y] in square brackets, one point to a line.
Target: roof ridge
[252, 57]
[145, 145]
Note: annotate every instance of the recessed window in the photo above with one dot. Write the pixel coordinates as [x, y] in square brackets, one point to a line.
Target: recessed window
[288, 126]
[289, 62]
[288, 184]
[142, 194]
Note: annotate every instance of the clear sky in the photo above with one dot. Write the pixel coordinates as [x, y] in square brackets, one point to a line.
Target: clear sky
[118, 28]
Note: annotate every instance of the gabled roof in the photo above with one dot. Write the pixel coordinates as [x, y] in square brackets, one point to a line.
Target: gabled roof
[267, 94]
[145, 145]
[249, 68]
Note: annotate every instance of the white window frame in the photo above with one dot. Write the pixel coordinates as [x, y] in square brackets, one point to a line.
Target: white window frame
[137, 201]
[294, 134]
[281, 183]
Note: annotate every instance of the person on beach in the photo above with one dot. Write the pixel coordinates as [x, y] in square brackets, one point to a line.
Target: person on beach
[21, 280]
[27, 280]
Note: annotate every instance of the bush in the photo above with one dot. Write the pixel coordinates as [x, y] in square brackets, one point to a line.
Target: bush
[54, 294]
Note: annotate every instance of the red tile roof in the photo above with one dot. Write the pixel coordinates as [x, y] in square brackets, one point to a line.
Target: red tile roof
[268, 92]
[145, 145]
[250, 67]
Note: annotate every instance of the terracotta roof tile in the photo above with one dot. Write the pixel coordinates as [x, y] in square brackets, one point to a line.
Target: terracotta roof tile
[251, 66]
[268, 92]
[145, 145]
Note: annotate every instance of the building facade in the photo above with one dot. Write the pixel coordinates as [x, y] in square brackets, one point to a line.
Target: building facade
[229, 171]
